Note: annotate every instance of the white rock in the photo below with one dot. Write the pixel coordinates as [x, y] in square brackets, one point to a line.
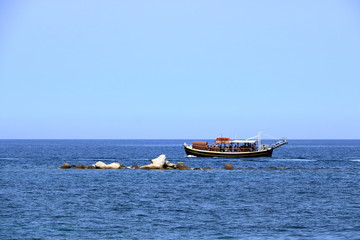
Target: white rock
[113, 166]
[159, 161]
[100, 164]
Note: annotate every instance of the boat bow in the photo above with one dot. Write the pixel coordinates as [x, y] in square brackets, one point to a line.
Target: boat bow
[279, 143]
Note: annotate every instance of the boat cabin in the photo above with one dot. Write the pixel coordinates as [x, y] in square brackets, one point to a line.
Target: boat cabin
[223, 144]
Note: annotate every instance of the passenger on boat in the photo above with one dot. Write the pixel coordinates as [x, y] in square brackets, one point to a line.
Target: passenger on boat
[253, 147]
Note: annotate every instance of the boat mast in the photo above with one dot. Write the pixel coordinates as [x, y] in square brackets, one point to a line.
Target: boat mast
[259, 139]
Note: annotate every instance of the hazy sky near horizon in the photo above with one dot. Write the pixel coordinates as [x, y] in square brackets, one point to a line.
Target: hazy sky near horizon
[179, 69]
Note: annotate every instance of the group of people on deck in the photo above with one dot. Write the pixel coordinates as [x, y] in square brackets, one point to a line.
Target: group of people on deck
[233, 147]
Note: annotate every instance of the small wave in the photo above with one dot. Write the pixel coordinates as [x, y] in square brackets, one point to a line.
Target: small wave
[97, 159]
[295, 159]
[355, 160]
[11, 158]
[191, 156]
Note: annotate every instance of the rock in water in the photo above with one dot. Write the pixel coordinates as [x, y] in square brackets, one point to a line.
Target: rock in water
[229, 166]
[113, 166]
[169, 165]
[150, 166]
[157, 163]
[181, 166]
[65, 165]
[80, 166]
[100, 165]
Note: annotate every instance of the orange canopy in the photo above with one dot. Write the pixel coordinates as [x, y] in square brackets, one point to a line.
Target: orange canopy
[225, 140]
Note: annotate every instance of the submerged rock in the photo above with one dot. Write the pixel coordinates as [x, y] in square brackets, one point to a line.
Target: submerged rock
[80, 166]
[65, 165]
[135, 166]
[229, 166]
[182, 166]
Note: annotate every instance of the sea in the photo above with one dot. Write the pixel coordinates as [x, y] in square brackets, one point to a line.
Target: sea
[308, 189]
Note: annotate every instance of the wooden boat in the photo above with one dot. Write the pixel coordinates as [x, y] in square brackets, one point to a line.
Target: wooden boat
[224, 147]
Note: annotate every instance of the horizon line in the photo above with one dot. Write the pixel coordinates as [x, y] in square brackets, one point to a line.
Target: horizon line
[165, 139]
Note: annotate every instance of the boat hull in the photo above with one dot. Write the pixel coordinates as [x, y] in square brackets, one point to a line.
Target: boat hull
[205, 153]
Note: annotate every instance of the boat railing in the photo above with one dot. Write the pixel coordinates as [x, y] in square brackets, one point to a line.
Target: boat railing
[263, 147]
[279, 143]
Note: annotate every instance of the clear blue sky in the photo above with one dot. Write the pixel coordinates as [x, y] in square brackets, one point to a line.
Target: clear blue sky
[179, 69]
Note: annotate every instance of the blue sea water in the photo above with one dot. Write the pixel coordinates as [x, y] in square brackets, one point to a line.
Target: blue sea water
[316, 197]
